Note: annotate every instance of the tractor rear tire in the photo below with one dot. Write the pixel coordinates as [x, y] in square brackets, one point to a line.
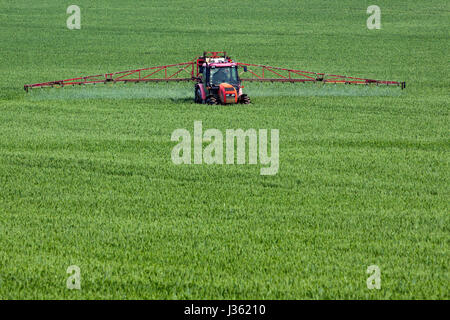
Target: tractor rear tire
[211, 100]
[198, 96]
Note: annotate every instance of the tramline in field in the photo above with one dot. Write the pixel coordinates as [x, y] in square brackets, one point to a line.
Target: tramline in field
[218, 78]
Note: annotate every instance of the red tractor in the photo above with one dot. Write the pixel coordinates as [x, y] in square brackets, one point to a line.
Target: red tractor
[219, 80]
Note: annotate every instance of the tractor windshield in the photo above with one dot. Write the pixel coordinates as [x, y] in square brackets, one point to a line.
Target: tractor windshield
[220, 75]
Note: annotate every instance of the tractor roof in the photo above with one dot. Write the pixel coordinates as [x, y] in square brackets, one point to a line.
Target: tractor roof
[223, 64]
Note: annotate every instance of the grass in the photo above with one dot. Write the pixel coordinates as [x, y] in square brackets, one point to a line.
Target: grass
[86, 176]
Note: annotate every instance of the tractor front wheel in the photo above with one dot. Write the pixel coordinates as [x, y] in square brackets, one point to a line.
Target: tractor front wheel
[244, 99]
[211, 100]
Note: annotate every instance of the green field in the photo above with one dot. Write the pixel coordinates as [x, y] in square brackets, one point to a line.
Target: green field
[86, 176]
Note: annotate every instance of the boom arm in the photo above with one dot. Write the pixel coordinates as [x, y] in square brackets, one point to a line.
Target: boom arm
[185, 71]
[264, 73]
[189, 71]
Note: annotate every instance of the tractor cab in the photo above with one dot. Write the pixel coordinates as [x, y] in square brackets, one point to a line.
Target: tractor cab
[218, 80]
[218, 74]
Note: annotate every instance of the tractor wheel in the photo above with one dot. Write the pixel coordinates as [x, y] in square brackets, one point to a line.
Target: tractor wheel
[211, 100]
[245, 99]
[198, 96]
